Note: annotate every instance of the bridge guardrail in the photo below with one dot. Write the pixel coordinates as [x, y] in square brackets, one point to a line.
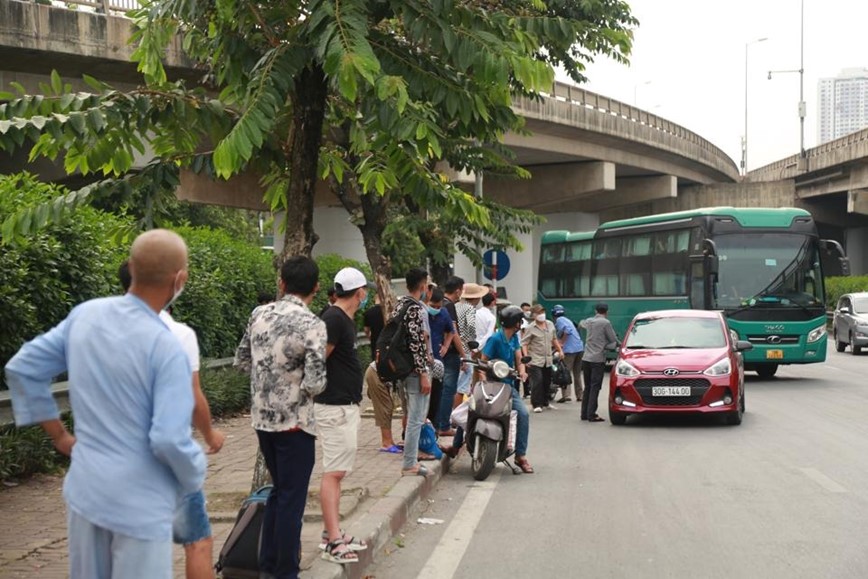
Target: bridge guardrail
[102, 6]
[577, 96]
[814, 152]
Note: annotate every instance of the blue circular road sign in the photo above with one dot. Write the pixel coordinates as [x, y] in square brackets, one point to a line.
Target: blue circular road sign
[498, 271]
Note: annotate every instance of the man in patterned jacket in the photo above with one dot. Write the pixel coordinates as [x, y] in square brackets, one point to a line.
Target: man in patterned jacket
[284, 350]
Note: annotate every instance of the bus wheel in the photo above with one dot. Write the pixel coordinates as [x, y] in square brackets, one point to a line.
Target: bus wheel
[766, 370]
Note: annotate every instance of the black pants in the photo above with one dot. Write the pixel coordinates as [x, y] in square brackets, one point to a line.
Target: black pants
[540, 382]
[434, 401]
[289, 457]
[593, 375]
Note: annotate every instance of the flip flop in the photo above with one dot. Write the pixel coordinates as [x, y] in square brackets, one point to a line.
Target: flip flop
[394, 449]
[426, 456]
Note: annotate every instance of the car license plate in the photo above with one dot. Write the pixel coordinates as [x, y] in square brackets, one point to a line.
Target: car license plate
[670, 391]
[774, 354]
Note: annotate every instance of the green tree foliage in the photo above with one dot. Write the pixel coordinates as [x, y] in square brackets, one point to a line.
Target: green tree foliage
[45, 275]
[226, 277]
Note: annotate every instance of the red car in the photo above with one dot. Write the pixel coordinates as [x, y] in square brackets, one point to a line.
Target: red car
[678, 361]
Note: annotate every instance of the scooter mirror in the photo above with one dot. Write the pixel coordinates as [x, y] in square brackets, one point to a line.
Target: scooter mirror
[472, 344]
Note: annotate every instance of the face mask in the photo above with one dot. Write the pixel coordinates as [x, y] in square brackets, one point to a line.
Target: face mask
[423, 297]
[433, 311]
[364, 302]
[541, 318]
[177, 294]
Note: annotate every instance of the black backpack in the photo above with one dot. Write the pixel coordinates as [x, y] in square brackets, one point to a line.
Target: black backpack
[393, 357]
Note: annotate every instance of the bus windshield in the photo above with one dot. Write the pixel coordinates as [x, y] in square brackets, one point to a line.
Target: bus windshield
[768, 269]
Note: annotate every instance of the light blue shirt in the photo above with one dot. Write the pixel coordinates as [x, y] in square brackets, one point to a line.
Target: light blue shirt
[573, 343]
[130, 389]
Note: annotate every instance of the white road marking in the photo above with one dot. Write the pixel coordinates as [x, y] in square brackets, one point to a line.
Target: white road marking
[447, 555]
[823, 480]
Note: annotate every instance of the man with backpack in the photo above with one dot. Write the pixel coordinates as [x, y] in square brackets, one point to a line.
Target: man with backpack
[402, 354]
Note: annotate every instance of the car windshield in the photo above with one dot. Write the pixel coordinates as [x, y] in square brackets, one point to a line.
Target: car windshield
[860, 305]
[769, 269]
[660, 333]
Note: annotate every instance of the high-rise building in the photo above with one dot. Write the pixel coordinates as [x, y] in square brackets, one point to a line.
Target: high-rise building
[843, 105]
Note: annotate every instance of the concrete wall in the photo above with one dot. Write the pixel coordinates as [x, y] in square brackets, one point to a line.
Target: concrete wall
[856, 246]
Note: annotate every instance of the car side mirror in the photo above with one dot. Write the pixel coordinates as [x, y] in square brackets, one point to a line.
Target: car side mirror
[844, 310]
[743, 345]
[526, 359]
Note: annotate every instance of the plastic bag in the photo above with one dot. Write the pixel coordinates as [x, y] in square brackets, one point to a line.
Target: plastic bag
[428, 441]
[459, 415]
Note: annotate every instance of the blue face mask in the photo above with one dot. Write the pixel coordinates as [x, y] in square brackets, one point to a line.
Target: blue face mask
[364, 302]
[423, 297]
[434, 311]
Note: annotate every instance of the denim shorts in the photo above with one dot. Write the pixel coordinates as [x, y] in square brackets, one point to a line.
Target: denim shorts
[191, 523]
[464, 381]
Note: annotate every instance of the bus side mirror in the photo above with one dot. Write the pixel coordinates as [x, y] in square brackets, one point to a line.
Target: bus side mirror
[712, 264]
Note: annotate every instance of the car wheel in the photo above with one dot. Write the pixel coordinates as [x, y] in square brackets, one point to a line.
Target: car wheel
[766, 371]
[839, 345]
[854, 349]
[735, 418]
[618, 418]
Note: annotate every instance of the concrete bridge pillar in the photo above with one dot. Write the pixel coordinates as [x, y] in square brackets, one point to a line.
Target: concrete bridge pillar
[857, 201]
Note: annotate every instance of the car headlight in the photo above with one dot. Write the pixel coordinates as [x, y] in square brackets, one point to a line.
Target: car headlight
[816, 334]
[720, 368]
[622, 368]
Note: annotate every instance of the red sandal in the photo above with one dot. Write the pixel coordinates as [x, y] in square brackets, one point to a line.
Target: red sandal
[524, 465]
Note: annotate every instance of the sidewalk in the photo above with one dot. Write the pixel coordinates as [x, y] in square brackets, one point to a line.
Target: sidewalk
[376, 503]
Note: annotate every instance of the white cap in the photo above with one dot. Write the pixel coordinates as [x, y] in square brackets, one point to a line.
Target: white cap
[349, 279]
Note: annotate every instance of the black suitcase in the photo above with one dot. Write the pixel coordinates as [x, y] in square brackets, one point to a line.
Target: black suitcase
[239, 557]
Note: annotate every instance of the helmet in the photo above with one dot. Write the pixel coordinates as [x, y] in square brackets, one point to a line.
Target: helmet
[558, 311]
[511, 316]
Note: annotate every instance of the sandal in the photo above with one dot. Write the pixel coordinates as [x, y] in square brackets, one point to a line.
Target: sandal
[394, 449]
[353, 543]
[419, 469]
[524, 465]
[425, 456]
[338, 552]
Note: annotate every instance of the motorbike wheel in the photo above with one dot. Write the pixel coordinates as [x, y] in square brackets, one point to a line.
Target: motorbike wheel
[484, 463]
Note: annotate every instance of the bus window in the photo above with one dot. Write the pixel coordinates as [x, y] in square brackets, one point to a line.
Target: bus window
[634, 284]
[637, 245]
[553, 254]
[549, 287]
[582, 284]
[579, 251]
[604, 285]
[670, 283]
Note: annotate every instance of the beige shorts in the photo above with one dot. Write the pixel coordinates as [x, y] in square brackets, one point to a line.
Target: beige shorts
[337, 428]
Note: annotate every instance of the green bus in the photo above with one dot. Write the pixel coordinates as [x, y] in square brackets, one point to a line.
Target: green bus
[762, 267]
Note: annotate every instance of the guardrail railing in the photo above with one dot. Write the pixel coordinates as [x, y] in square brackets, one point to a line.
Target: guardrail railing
[101, 6]
[578, 96]
[812, 153]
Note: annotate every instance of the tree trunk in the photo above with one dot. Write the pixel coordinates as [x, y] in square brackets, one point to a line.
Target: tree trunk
[311, 90]
[374, 212]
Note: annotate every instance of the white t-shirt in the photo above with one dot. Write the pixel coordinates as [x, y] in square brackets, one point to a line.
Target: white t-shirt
[186, 335]
[485, 323]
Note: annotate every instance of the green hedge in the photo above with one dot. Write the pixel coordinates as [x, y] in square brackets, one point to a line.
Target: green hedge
[837, 286]
[226, 277]
[44, 276]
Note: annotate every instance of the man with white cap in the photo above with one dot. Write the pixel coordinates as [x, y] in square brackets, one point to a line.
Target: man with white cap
[336, 409]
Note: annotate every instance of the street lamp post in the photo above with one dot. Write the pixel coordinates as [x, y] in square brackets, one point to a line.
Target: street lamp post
[801, 71]
[744, 138]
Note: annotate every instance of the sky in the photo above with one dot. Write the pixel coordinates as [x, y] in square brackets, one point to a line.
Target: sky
[688, 66]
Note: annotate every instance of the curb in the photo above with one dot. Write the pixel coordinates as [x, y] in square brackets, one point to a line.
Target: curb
[380, 523]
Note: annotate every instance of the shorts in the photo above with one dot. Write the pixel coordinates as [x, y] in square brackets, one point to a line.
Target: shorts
[337, 427]
[465, 379]
[191, 523]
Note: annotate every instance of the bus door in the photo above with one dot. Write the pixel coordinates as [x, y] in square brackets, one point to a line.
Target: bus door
[703, 277]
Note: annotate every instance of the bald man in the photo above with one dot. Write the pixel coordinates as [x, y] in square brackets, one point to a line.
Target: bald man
[133, 456]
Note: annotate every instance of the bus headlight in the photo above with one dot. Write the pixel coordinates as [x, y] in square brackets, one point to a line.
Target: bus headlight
[625, 369]
[816, 334]
[720, 368]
